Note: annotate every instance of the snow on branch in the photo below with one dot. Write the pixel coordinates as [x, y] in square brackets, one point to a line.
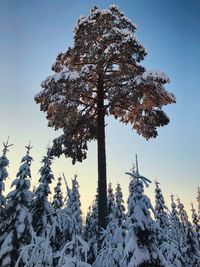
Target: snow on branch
[65, 73]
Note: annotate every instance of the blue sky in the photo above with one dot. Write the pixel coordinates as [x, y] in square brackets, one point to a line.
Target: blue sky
[31, 35]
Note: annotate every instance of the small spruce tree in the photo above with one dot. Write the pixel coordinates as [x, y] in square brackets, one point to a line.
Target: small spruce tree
[173, 248]
[57, 214]
[198, 201]
[161, 215]
[58, 197]
[41, 210]
[91, 230]
[141, 249]
[113, 237]
[4, 162]
[74, 207]
[120, 209]
[18, 230]
[192, 253]
[74, 245]
[196, 222]
[111, 202]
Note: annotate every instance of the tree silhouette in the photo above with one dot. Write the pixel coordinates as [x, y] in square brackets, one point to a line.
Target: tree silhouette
[100, 76]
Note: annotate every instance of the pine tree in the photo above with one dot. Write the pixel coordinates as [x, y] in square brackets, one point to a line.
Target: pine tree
[99, 76]
[18, 230]
[141, 249]
[41, 210]
[4, 162]
[91, 230]
[192, 253]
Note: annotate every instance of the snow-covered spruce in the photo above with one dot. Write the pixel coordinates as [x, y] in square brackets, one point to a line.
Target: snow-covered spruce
[74, 253]
[119, 214]
[4, 162]
[41, 210]
[58, 218]
[173, 248]
[198, 201]
[141, 248]
[36, 254]
[113, 237]
[18, 225]
[113, 242]
[196, 223]
[74, 247]
[58, 197]
[192, 252]
[74, 209]
[111, 202]
[161, 215]
[91, 230]
[168, 234]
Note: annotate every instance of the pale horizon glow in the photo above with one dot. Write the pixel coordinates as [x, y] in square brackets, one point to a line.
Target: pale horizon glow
[32, 34]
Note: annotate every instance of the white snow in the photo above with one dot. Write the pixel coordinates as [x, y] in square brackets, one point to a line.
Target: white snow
[65, 73]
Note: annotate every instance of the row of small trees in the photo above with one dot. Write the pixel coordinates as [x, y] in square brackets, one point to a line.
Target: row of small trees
[37, 232]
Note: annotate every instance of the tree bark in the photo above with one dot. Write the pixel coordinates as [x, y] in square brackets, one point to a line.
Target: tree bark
[102, 179]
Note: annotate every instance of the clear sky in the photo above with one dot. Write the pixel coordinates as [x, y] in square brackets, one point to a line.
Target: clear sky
[31, 35]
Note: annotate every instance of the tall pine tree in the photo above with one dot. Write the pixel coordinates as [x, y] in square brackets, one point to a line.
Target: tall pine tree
[100, 76]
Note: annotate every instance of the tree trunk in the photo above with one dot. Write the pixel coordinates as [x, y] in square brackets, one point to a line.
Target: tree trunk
[102, 183]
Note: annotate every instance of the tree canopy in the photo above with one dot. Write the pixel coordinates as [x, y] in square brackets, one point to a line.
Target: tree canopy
[103, 64]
